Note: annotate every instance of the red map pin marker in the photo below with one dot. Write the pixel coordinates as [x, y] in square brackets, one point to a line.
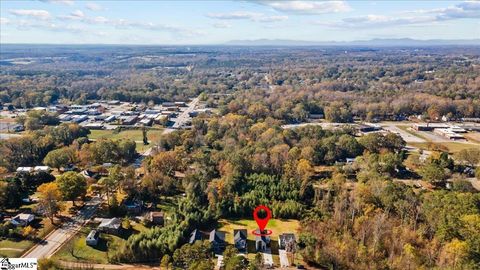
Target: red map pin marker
[262, 222]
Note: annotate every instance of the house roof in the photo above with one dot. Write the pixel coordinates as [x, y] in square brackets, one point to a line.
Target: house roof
[216, 236]
[41, 168]
[262, 238]
[286, 237]
[239, 235]
[156, 214]
[194, 236]
[24, 169]
[88, 173]
[113, 223]
[24, 216]
[92, 235]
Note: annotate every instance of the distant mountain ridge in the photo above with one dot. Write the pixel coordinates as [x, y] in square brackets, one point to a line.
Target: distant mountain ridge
[372, 42]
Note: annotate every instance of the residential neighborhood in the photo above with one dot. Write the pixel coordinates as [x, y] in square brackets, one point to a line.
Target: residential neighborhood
[239, 135]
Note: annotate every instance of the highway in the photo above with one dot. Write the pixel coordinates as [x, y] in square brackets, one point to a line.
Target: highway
[58, 237]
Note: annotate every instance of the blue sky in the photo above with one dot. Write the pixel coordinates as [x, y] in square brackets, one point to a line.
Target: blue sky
[215, 22]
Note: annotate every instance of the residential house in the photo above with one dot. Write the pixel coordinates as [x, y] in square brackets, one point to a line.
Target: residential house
[196, 235]
[262, 242]
[92, 238]
[287, 241]
[240, 239]
[22, 219]
[44, 169]
[217, 239]
[24, 169]
[88, 174]
[112, 225]
[132, 206]
[156, 218]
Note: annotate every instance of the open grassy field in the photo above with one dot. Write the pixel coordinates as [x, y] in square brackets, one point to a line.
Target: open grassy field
[132, 134]
[452, 147]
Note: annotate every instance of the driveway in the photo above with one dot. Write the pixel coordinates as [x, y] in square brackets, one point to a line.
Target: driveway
[267, 257]
[219, 261]
[282, 253]
[57, 238]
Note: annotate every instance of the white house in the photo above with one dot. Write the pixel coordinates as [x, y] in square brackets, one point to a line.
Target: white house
[92, 238]
[24, 169]
[42, 169]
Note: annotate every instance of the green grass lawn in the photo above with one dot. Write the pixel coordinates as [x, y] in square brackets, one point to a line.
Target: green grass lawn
[98, 254]
[13, 248]
[132, 134]
[452, 147]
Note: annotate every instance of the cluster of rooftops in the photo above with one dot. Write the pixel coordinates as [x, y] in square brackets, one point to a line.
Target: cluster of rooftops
[217, 238]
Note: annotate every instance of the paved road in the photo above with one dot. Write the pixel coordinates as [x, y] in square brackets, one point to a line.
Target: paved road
[55, 240]
[184, 117]
[407, 137]
[282, 253]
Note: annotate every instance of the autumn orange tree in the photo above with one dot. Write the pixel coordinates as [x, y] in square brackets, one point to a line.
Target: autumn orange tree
[50, 199]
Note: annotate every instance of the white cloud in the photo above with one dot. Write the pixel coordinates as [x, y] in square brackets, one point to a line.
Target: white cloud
[464, 10]
[94, 7]
[236, 15]
[375, 21]
[245, 15]
[308, 7]
[76, 15]
[26, 25]
[62, 2]
[32, 13]
[222, 25]
[272, 18]
[4, 21]
[98, 19]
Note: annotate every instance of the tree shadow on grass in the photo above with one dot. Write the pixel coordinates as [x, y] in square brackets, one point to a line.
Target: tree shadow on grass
[102, 245]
